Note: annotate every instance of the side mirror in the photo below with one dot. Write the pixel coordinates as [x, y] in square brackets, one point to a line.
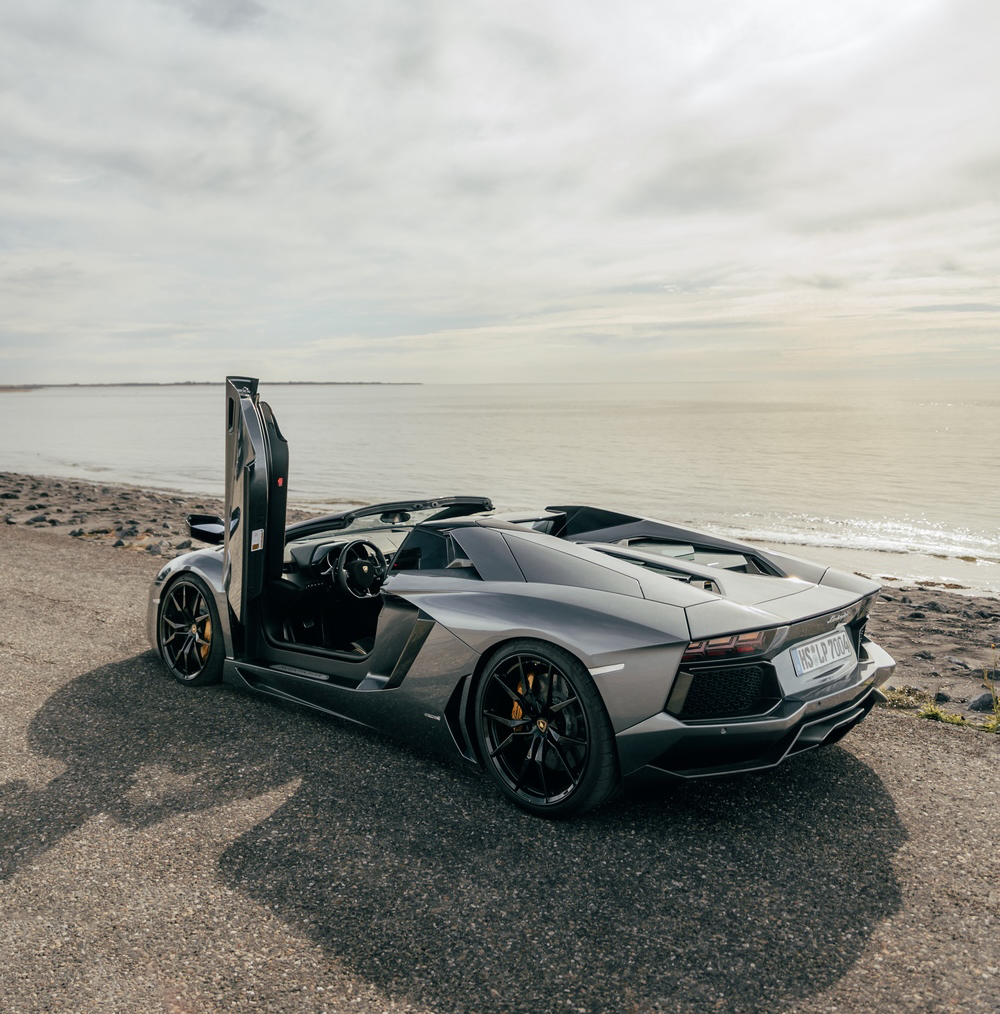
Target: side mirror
[206, 528]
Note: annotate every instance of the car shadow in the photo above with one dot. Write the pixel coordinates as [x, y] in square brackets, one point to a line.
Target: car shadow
[735, 896]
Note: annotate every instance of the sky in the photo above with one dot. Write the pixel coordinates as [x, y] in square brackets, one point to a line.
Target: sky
[471, 192]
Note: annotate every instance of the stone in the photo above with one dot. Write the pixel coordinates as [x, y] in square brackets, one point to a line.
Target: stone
[957, 662]
[186, 544]
[118, 543]
[10, 496]
[934, 607]
[916, 615]
[923, 654]
[981, 702]
[155, 548]
[941, 697]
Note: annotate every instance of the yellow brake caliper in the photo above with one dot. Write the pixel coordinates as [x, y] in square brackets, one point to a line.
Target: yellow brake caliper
[515, 711]
[207, 637]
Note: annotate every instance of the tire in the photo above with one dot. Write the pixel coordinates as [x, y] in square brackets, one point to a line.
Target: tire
[189, 634]
[543, 732]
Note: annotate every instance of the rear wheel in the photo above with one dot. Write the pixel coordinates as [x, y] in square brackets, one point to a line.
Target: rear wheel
[544, 734]
[189, 633]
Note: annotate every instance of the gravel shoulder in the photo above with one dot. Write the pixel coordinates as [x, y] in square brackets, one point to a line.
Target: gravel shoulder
[165, 849]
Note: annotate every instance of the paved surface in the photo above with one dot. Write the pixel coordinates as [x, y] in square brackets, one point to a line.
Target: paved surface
[188, 851]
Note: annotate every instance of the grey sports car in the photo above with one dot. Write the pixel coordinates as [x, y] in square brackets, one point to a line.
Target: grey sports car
[568, 650]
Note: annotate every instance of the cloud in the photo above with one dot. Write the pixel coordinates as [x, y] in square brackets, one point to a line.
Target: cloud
[273, 177]
[957, 308]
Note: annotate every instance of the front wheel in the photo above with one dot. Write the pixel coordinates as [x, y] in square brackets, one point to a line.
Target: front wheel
[189, 633]
[543, 732]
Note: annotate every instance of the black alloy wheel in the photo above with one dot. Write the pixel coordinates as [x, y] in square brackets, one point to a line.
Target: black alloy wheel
[189, 633]
[543, 731]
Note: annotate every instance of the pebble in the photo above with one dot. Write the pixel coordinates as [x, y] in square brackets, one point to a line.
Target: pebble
[981, 702]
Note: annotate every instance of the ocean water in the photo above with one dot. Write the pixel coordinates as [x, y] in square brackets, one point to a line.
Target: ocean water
[903, 477]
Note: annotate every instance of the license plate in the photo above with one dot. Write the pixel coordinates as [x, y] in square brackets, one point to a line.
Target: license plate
[822, 653]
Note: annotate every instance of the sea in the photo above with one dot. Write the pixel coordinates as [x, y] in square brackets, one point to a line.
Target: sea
[898, 479]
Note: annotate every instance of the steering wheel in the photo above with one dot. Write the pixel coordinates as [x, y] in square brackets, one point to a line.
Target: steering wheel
[360, 569]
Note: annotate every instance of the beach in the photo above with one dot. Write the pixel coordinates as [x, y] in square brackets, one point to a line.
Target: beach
[182, 851]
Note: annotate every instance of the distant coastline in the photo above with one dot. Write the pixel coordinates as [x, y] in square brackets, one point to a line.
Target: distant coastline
[13, 388]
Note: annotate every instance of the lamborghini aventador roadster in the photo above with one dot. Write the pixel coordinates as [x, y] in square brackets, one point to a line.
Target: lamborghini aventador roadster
[568, 650]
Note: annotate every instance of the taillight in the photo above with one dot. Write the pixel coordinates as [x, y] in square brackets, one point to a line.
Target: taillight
[750, 643]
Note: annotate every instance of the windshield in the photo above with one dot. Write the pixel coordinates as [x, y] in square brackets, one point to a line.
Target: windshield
[391, 516]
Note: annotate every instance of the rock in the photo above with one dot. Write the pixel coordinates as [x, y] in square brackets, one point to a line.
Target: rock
[941, 697]
[981, 702]
[118, 543]
[957, 662]
[935, 674]
[934, 607]
[186, 544]
[38, 519]
[923, 654]
[76, 531]
[905, 599]
[916, 615]
[10, 496]
[888, 598]
[155, 548]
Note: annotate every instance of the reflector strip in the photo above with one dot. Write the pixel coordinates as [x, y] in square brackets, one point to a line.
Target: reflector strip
[602, 669]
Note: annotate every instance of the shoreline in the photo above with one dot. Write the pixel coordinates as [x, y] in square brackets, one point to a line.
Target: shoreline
[941, 637]
[19, 388]
[966, 576]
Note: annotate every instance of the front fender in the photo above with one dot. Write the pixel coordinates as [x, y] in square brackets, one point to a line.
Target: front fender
[205, 564]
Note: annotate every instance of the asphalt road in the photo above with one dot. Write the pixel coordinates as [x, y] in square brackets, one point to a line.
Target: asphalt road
[189, 851]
